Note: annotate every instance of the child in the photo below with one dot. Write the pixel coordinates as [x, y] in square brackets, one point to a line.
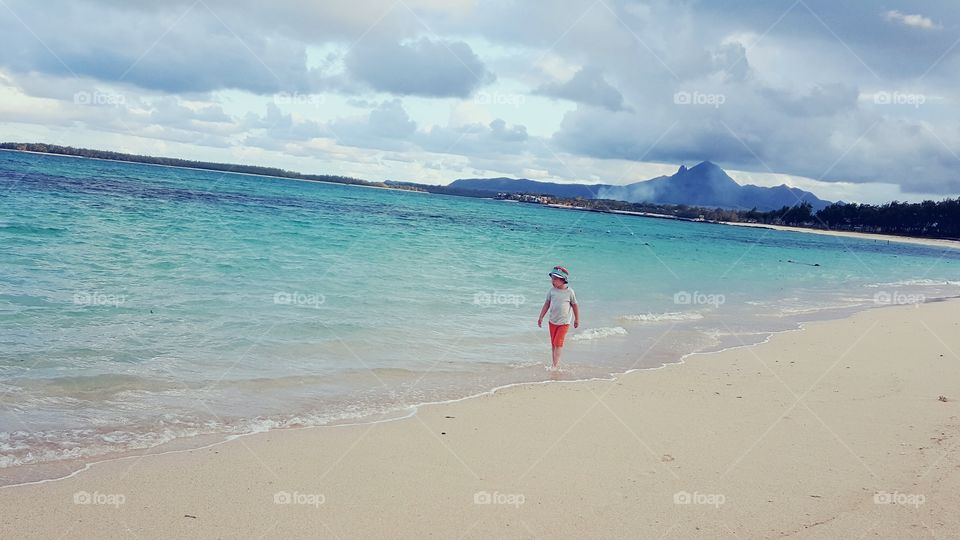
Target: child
[560, 301]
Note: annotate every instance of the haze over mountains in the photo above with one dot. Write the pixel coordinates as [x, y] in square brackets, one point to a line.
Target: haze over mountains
[705, 185]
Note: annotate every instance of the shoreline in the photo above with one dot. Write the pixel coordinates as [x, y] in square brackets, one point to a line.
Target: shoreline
[411, 461]
[917, 240]
[400, 414]
[189, 444]
[222, 171]
[932, 242]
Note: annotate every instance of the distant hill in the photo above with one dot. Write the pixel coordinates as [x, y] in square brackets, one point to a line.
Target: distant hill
[522, 185]
[705, 185]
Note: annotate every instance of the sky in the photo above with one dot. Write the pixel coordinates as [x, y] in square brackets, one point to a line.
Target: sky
[856, 101]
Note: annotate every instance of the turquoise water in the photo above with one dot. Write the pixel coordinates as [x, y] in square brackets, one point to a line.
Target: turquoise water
[142, 305]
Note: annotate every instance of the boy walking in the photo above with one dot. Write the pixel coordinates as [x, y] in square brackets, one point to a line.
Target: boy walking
[561, 301]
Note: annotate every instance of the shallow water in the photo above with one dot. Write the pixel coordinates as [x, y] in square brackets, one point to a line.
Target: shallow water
[142, 305]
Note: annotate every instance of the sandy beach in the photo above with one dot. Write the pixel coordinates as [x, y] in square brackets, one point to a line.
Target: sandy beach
[935, 242]
[833, 431]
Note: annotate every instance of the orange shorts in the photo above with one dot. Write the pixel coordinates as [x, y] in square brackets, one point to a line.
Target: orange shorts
[557, 333]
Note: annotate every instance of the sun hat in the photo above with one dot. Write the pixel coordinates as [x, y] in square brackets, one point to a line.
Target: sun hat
[560, 272]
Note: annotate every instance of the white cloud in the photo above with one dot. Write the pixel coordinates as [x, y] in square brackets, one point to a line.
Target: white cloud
[915, 21]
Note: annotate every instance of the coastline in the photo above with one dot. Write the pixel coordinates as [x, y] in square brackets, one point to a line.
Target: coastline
[933, 242]
[796, 434]
[223, 171]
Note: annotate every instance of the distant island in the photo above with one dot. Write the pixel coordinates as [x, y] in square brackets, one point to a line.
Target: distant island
[704, 185]
[927, 219]
[205, 165]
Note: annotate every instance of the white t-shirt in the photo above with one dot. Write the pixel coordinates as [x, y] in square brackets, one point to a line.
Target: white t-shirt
[560, 302]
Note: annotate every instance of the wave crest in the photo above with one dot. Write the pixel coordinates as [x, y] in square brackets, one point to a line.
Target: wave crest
[660, 317]
[599, 333]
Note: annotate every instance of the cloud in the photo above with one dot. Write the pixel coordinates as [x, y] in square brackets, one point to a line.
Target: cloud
[915, 21]
[388, 126]
[495, 140]
[837, 91]
[820, 100]
[425, 67]
[586, 86]
[168, 51]
[731, 59]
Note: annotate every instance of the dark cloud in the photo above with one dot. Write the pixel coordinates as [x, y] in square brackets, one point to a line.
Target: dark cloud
[169, 51]
[586, 86]
[426, 67]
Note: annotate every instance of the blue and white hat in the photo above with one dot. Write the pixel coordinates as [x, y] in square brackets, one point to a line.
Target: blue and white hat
[560, 272]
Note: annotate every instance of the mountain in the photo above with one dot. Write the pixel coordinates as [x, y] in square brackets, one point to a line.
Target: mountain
[705, 185]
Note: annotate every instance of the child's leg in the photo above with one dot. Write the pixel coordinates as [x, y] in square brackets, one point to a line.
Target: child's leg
[557, 333]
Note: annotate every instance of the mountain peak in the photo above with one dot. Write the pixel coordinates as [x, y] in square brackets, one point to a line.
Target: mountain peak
[708, 166]
[705, 174]
[705, 184]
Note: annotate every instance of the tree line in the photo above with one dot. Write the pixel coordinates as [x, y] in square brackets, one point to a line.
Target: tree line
[934, 219]
[931, 219]
[177, 162]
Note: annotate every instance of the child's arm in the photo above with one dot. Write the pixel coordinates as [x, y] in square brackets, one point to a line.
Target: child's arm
[543, 311]
[576, 315]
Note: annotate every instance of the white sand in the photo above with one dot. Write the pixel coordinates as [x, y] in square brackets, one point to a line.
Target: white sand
[795, 436]
[936, 242]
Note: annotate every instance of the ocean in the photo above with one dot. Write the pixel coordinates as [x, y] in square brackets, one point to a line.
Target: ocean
[146, 308]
